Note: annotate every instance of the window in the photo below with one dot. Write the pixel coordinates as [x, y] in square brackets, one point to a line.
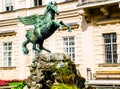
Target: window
[37, 2]
[69, 46]
[8, 5]
[7, 54]
[110, 48]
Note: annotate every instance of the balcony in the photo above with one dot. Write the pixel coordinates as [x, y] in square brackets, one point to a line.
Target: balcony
[96, 2]
[104, 9]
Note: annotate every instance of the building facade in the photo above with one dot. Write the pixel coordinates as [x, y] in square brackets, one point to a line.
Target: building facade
[102, 30]
[93, 43]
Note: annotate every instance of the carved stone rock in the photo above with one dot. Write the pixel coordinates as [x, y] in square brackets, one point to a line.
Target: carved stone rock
[42, 75]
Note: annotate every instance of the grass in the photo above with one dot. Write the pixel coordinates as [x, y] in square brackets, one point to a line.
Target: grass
[15, 83]
[18, 85]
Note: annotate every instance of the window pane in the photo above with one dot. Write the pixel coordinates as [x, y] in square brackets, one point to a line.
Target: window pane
[10, 54]
[114, 38]
[115, 59]
[65, 43]
[5, 48]
[107, 38]
[9, 60]
[37, 2]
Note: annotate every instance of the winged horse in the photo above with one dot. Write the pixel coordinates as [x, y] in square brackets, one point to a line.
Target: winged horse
[44, 27]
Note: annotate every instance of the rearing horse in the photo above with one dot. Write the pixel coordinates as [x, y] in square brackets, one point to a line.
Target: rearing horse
[45, 26]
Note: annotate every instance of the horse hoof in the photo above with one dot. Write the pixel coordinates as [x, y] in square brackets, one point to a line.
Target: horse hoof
[25, 52]
[49, 51]
[69, 30]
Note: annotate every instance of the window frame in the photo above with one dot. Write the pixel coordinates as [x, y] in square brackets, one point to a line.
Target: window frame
[3, 60]
[69, 46]
[9, 4]
[109, 47]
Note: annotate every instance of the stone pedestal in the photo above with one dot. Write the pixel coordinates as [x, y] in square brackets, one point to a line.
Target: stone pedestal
[48, 69]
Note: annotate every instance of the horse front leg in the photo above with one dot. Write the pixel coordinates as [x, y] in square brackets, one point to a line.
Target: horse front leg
[69, 28]
[43, 48]
[24, 47]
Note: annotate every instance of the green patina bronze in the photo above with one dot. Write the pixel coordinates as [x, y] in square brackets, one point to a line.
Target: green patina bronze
[44, 27]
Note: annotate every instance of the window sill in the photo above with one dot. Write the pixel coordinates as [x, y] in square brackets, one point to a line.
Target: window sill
[8, 68]
[108, 65]
[7, 33]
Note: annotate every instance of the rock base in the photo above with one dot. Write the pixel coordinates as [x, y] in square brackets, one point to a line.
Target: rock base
[48, 69]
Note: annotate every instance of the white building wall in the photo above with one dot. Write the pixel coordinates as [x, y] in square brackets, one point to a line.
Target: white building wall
[1, 5]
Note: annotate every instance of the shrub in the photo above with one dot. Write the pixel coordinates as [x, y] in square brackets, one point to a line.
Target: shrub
[64, 86]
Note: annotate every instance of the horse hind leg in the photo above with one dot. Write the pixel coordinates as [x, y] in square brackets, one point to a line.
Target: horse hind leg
[46, 49]
[36, 49]
[43, 48]
[24, 47]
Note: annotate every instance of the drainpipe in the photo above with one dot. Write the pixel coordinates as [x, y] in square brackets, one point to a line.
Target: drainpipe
[89, 76]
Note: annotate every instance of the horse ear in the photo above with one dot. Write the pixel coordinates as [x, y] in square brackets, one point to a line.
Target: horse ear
[55, 3]
[51, 2]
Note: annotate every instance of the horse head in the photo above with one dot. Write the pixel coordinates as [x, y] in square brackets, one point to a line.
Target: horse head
[53, 7]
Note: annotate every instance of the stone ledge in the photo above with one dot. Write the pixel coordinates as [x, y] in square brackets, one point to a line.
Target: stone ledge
[8, 68]
[108, 72]
[7, 33]
[114, 74]
[108, 65]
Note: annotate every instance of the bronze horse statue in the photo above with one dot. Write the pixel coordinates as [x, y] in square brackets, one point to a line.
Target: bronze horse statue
[45, 26]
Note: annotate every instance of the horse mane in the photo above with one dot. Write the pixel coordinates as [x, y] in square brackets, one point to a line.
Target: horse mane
[47, 8]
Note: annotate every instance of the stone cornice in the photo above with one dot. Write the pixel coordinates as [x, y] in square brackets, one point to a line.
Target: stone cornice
[108, 2]
[108, 20]
[8, 22]
[108, 65]
[73, 26]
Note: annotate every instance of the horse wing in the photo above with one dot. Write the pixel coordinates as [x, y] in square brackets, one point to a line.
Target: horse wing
[30, 20]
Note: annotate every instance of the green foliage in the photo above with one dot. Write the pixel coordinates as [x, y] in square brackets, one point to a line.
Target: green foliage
[64, 71]
[14, 83]
[19, 85]
[64, 86]
[64, 74]
[67, 70]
